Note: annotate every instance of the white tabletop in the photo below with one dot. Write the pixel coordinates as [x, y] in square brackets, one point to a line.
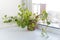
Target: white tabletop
[14, 33]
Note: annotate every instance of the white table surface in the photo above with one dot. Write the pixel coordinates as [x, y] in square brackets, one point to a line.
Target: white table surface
[14, 33]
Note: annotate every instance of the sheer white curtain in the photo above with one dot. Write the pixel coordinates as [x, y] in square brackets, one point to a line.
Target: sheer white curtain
[38, 6]
[53, 8]
[28, 4]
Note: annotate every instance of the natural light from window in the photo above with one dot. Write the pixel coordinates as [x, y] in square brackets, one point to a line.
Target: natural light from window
[52, 6]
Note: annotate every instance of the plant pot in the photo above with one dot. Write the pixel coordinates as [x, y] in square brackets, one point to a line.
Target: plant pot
[32, 25]
[30, 28]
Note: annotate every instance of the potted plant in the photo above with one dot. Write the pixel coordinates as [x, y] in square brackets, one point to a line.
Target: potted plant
[25, 18]
[44, 18]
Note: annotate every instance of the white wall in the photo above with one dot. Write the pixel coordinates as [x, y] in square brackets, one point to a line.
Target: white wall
[53, 5]
[9, 7]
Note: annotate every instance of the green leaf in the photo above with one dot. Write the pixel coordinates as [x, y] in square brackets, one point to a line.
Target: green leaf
[33, 24]
[48, 22]
[5, 16]
[19, 14]
[44, 15]
[23, 4]
[43, 30]
[8, 21]
[19, 6]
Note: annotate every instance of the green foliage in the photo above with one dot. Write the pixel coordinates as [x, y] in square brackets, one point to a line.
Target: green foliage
[23, 18]
[26, 18]
[44, 18]
[48, 22]
[44, 15]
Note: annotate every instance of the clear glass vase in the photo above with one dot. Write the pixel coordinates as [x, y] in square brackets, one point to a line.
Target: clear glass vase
[43, 32]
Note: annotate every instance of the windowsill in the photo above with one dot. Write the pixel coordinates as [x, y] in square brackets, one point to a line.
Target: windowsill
[53, 25]
[51, 28]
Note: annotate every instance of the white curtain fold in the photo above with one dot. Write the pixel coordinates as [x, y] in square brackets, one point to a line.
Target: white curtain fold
[28, 4]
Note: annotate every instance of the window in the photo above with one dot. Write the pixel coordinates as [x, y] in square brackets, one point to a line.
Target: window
[52, 7]
[37, 6]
